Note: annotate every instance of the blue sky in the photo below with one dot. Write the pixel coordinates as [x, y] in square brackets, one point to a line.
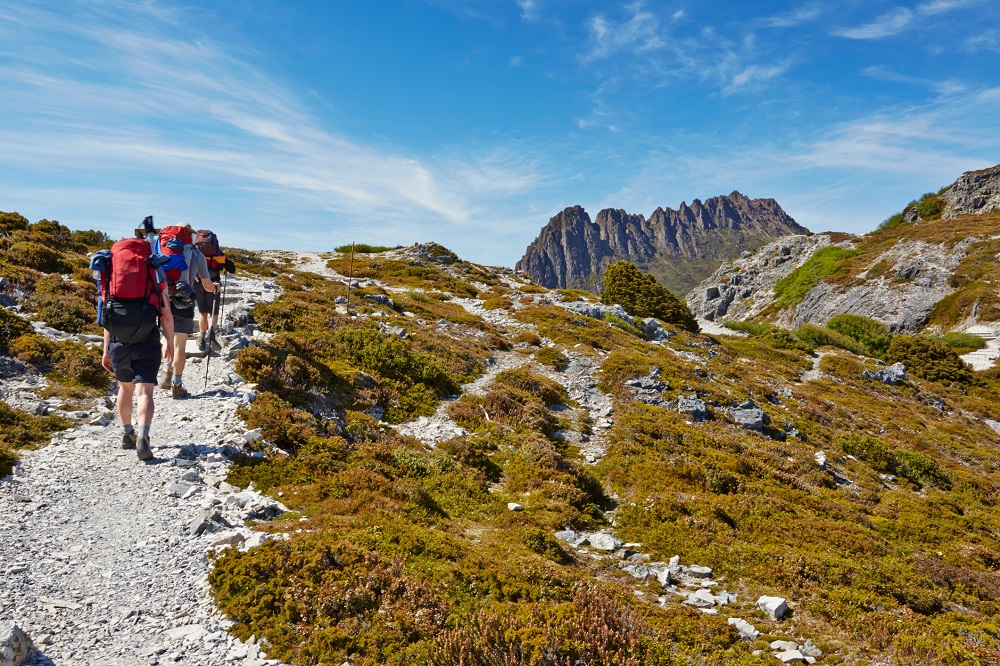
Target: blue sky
[304, 125]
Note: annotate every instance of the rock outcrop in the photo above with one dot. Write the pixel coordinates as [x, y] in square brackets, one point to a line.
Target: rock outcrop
[973, 193]
[678, 247]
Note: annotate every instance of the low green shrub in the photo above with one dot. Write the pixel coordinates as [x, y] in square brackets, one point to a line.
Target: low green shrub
[915, 467]
[873, 335]
[362, 248]
[37, 256]
[552, 357]
[820, 336]
[11, 328]
[21, 430]
[620, 323]
[965, 341]
[642, 296]
[548, 391]
[928, 359]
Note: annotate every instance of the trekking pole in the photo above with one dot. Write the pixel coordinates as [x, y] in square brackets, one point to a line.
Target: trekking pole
[350, 279]
[211, 328]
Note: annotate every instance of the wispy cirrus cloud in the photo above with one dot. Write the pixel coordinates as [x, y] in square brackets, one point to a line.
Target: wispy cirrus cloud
[139, 101]
[899, 19]
[639, 33]
[948, 86]
[804, 14]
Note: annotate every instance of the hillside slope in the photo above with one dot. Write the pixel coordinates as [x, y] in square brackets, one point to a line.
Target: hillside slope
[933, 265]
[679, 247]
[483, 471]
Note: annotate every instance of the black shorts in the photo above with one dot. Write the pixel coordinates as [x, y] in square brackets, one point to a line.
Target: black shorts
[208, 302]
[136, 362]
[184, 324]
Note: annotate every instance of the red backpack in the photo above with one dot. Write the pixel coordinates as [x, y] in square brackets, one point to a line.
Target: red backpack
[130, 309]
[172, 244]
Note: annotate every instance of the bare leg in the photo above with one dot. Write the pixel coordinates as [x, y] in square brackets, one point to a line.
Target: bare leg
[144, 405]
[180, 358]
[125, 392]
[203, 322]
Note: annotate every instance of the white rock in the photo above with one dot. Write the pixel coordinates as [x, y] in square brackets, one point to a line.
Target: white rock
[604, 541]
[791, 657]
[698, 571]
[514, 506]
[775, 607]
[746, 630]
[15, 646]
[782, 646]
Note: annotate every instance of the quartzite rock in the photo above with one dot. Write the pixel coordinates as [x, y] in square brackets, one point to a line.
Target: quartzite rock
[15, 646]
[775, 607]
[974, 192]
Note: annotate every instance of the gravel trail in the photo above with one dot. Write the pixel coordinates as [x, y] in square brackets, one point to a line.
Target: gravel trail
[103, 557]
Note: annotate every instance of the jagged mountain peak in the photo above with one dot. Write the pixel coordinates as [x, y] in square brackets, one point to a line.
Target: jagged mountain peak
[679, 247]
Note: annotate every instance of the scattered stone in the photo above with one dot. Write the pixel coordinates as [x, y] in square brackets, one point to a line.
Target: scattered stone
[575, 539]
[821, 460]
[775, 607]
[791, 657]
[748, 415]
[698, 571]
[514, 506]
[810, 650]
[15, 646]
[694, 407]
[604, 541]
[893, 375]
[782, 646]
[745, 629]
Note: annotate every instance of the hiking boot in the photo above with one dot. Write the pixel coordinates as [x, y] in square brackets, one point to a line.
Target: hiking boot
[165, 384]
[142, 448]
[128, 440]
[178, 392]
[202, 342]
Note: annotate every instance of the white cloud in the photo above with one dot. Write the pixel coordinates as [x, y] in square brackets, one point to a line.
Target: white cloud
[755, 76]
[640, 32]
[887, 25]
[901, 18]
[529, 9]
[883, 73]
[121, 99]
[796, 17]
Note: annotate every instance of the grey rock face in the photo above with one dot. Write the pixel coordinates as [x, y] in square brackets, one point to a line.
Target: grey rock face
[893, 375]
[974, 192]
[742, 288]
[573, 251]
[15, 646]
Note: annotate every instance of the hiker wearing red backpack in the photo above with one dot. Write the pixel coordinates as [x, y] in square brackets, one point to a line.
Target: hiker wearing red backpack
[185, 265]
[132, 308]
[208, 302]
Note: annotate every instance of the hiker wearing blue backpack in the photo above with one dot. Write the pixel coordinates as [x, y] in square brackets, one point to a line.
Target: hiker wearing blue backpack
[208, 303]
[185, 266]
[132, 308]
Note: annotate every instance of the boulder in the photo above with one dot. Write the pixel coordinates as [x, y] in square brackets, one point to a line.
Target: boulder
[775, 607]
[748, 415]
[893, 375]
[15, 646]
[745, 629]
[791, 657]
[698, 571]
[694, 407]
[604, 541]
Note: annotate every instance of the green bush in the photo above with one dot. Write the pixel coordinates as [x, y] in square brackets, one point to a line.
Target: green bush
[552, 357]
[21, 430]
[775, 336]
[36, 256]
[928, 359]
[362, 248]
[66, 306]
[930, 206]
[548, 391]
[642, 296]
[957, 340]
[278, 421]
[820, 336]
[915, 467]
[11, 328]
[792, 289]
[891, 222]
[620, 323]
[873, 335]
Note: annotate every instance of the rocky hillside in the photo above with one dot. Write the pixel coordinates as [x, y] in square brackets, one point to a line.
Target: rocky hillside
[932, 265]
[679, 247]
[442, 463]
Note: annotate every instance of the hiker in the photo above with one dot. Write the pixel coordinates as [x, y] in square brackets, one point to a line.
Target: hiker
[185, 267]
[208, 302]
[132, 308]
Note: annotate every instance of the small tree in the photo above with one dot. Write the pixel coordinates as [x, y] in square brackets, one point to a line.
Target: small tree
[642, 296]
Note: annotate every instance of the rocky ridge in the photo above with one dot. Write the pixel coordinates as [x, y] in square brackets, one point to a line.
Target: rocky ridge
[679, 247]
[974, 193]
